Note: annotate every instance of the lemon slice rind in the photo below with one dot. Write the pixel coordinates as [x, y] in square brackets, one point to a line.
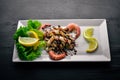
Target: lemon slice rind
[28, 41]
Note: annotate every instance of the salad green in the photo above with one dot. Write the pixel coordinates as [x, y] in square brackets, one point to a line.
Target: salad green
[29, 53]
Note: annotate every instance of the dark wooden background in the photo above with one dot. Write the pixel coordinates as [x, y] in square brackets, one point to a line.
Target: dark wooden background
[13, 10]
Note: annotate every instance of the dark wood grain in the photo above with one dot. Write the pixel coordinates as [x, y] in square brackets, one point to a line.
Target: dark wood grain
[13, 10]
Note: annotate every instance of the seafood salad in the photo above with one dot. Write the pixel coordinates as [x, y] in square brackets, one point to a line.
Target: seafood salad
[59, 40]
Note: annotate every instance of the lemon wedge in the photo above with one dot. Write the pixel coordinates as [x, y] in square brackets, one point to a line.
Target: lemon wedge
[93, 43]
[28, 41]
[88, 32]
[32, 34]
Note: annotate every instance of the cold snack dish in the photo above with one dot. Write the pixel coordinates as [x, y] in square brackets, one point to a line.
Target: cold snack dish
[60, 42]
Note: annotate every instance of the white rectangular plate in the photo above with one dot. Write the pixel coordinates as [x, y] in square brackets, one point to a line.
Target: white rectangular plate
[100, 33]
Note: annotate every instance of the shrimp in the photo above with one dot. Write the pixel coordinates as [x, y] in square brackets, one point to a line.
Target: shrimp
[73, 26]
[55, 56]
[45, 26]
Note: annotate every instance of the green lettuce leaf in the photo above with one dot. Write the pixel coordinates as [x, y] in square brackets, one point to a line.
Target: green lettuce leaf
[22, 31]
[33, 24]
